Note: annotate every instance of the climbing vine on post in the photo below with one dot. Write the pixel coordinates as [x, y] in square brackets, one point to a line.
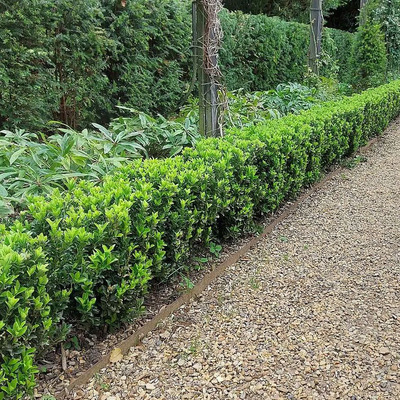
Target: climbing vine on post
[316, 19]
[207, 42]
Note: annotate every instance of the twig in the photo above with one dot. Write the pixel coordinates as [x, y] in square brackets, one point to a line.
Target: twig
[63, 358]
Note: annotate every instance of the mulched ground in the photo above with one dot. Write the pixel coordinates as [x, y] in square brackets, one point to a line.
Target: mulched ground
[313, 312]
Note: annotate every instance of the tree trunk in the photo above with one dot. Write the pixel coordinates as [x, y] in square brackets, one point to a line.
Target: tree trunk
[316, 20]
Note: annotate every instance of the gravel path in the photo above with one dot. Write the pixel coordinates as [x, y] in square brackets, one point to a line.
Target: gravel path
[312, 313]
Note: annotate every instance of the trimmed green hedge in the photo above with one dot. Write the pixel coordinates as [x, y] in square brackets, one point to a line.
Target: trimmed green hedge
[96, 247]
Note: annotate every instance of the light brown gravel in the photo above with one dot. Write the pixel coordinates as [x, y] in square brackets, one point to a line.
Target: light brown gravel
[312, 313]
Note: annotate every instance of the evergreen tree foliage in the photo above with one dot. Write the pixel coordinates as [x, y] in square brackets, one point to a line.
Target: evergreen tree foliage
[369, 58]
[387, 13]
[296, 10]
[76, 60]
[26, 69]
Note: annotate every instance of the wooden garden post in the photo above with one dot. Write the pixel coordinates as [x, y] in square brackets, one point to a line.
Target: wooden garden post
[315, 35]
[362, 12]
[206, 54]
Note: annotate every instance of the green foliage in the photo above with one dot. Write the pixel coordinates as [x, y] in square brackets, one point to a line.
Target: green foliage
[30, 309]
[149, 66]
[35, 164]
[248, 109]
[296, 10]
[159, 137]
[164, 207]
[28, 93]
[369, 58]
[186, 284]
[291, 98]
[336, 45]
[107, 271]
[79, 45]
[52, 62]
[106, 241]
[215, 249]
[387, 14]
[257, 107]
[76, 62]
[260, 52]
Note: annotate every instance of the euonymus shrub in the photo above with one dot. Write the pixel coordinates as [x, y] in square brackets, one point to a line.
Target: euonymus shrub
[30, 308]
[93, 249]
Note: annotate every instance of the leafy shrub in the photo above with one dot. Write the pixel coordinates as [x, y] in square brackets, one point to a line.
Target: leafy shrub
[369, 58]
[149, 66]
[333, 63]
[107, 241]
[338, 45]
[168, 206]
[35, 164]
[100, 260]
[30, 310]
[159, 137]
[259, 52]
[28, 91]
[257, 107]
[53, 62]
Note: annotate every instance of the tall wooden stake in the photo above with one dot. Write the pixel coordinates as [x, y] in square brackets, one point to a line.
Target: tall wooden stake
[208, 91]
[315, 35]
[362, 12]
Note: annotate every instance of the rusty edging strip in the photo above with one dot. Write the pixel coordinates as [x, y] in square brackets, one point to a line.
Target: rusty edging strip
[165, 312]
